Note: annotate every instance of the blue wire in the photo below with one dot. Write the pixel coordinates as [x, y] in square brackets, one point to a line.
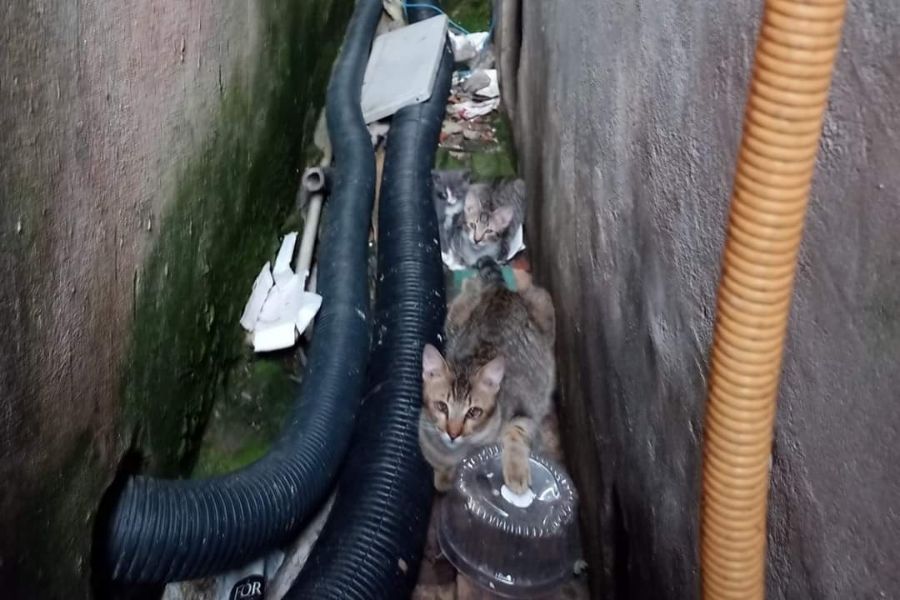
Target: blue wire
[453, 23]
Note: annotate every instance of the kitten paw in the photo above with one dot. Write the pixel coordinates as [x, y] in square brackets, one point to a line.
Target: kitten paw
[517, 474]
[443, 481]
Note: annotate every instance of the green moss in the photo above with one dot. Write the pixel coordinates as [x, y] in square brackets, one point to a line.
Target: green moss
[245, 421]
[293, 222]
[450, 161]
[474, 15]
[231, 200]
[505, 140]
[487, 165]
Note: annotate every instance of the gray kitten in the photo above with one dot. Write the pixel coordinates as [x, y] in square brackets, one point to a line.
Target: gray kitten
[477, 220]
[449, 195]
[495, 380]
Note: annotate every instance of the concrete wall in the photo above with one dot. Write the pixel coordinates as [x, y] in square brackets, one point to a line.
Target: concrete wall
[149, 152]
[628, 116]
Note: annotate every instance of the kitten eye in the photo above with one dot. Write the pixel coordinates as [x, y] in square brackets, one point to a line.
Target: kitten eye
[472, 226]
[489, 232]
[474, 413]
[442, 407]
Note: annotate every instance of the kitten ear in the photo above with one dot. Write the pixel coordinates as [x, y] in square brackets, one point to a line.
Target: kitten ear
[519, 187]
[472, 205]
[433, 365]
[501, 218]
[490, 376]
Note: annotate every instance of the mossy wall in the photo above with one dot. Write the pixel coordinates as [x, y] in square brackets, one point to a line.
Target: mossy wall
[151, 161]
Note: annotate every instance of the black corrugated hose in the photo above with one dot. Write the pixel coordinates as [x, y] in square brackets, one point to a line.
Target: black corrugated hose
[372, 544]
[170, 530]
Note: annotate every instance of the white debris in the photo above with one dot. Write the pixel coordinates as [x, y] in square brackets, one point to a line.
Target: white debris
[274, 337]
[278, 310]
[478, 39]
[282, 270]
[467, 46]
[463, 49]
[394, 8]
[286, 313]
[378, 131]
[470, 109]
[473, 82]
[492, 89]
[261, 287]
[249, 581]
[310, 304]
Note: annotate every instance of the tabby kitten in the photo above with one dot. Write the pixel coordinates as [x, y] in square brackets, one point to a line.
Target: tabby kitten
[495, 380]
[477, 220]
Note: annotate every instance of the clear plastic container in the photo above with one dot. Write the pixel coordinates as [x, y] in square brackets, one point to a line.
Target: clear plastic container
[515, 547]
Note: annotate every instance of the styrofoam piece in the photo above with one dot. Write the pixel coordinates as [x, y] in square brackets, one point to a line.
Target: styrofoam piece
[287, 311]
[281, 271]
[261, 286]
[310, 304]
[402, 67]
[275, 329]
[281, 302]
[275, 337]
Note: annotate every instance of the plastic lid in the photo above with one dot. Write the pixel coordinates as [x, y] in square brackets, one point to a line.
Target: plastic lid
[516, 546]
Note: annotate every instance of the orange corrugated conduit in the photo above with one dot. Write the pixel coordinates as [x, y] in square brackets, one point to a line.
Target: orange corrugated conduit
[795, 57]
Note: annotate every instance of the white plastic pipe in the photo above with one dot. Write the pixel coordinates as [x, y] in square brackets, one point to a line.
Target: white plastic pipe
[314, 183]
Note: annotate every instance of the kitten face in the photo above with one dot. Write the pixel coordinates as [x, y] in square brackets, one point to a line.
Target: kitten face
[485, 227]
[459, 406]
[451, 186]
